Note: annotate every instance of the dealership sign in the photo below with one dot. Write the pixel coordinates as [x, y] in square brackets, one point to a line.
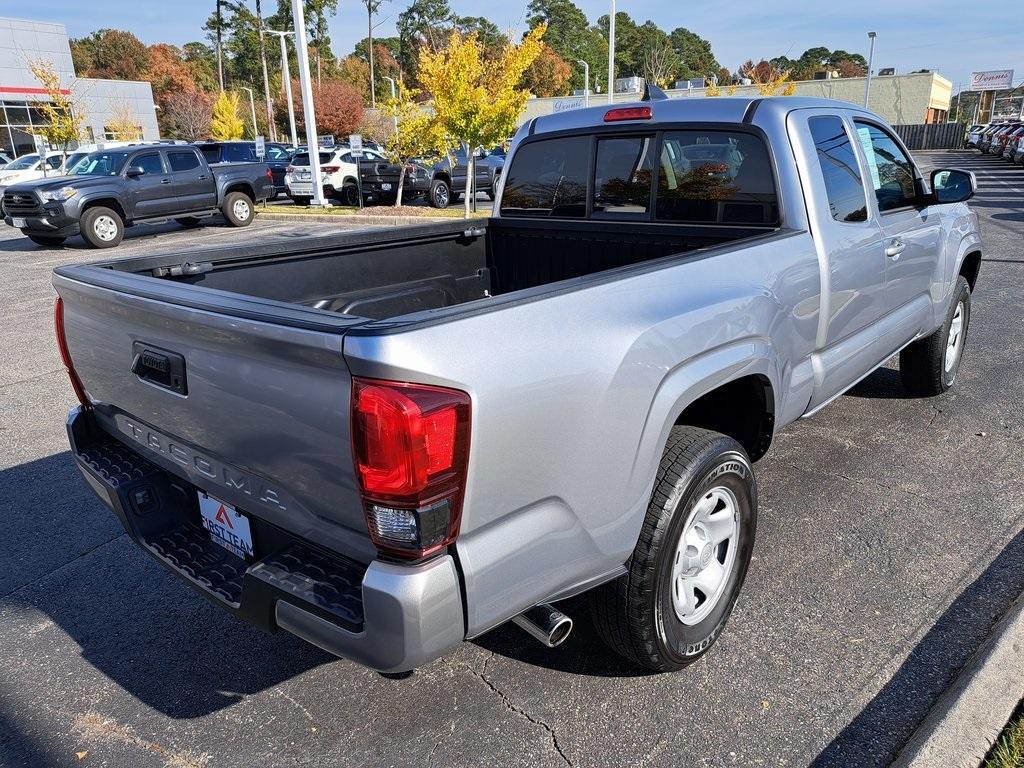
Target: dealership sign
[996, 80]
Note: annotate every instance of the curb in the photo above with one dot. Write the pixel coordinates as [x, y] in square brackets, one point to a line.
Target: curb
[967, 719]
[355, 219]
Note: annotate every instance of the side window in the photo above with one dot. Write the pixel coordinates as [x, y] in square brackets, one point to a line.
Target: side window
[53, 161]
[838, 163]
[347, 158]
[892, 173]
[148, 163]
[183, 161]
[622, 182]
[276, 153]
[211, 153]
[715, 177]
[548, 178]
[239, 153]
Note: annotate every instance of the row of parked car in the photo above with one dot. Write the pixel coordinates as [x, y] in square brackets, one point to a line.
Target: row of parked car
[1004, 140]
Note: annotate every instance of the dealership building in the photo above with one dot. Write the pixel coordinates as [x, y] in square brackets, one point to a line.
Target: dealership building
[98, 100]
[919, 97]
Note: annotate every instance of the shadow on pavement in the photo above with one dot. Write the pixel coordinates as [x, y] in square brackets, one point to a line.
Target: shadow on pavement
[888, 721]
[18, 748]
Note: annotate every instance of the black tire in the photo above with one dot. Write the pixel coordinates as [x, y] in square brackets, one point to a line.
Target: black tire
[440, 195]
[349, 195]
[301, 200]
[102, 227]
[238, 209]
[48, 241]
[923, 366]
[635, 613]
[188, 221]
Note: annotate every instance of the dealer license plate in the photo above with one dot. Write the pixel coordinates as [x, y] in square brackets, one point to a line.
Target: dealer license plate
[18, 223]
[226, 525]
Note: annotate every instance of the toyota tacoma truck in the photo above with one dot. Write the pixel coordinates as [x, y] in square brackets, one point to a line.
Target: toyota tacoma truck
[389, 442]
[111, 189]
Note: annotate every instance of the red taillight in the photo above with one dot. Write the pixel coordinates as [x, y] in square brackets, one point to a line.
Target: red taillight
[411, 449]
[270, 174]
[628, 113]
[290, 169]
[330, 168]
[65, 355]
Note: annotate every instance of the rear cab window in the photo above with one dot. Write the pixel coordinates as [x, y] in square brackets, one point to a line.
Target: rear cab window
[672, 176]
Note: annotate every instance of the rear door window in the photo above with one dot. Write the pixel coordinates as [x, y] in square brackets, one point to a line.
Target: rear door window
[838, 163]
[211, 153]
[715, 177]
[622, 180]
[549, 178]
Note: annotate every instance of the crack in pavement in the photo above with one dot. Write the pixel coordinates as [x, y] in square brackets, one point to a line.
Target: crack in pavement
[482, 676]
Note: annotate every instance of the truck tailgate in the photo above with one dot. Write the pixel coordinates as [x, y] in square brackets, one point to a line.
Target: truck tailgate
[259, 415]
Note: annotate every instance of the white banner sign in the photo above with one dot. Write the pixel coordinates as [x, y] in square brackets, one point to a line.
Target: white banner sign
[355, 144]
[996, 80]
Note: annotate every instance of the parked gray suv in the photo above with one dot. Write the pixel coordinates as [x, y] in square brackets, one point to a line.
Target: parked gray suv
[391, 441]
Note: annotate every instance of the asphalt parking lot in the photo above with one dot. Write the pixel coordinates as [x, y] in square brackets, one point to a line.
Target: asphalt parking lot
[890, 540]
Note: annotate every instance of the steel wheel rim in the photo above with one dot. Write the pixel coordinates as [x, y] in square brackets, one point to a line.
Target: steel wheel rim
[241, 209]
[705, 555]
[105, 228]
[955, 339]
[442, 194]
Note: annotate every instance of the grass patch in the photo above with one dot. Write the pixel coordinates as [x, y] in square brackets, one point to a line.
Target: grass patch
[454, 212]
[1008, 751]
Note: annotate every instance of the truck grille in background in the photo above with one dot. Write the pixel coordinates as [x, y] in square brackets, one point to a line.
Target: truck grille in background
[21, 204]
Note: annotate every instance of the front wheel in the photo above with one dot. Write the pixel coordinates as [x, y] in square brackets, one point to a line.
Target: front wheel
[929, 366]
[238, 209]
[691, 559]
[102, 227]
[440, 195]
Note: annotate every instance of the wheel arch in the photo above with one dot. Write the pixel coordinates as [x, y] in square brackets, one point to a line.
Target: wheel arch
[240, 186]
[970, 266]
[107, 202]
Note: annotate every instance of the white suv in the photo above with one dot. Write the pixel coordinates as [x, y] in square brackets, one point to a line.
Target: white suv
[338, 170]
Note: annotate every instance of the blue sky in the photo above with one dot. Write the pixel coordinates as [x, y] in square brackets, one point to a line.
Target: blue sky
[954, 38]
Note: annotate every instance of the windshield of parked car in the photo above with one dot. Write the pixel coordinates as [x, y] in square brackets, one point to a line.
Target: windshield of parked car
[100, 164]
[302, 158]
[23, 163]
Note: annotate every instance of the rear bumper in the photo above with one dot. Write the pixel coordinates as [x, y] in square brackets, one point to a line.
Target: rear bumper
[389, 617]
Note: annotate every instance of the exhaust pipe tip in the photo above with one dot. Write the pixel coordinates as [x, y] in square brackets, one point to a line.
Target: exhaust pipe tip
[546, 624]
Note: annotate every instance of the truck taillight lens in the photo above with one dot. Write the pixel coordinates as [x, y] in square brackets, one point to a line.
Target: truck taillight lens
[65, 355]
[411, 450]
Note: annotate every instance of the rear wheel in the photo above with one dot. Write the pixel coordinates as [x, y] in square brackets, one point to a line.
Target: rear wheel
[929, 366]
[440, 194]
[691, 559]
[102, 227]
[349, 195]
[238, 209]
[46, 240]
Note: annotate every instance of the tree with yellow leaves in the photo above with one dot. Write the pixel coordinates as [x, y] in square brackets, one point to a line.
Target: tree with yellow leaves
[769, 79]
[226, 124]
[62, 118]
[416, 133]
[123, 126]
[477, 99]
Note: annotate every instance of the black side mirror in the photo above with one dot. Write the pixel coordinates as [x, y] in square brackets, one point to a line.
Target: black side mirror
[953, 186]
[135, 170]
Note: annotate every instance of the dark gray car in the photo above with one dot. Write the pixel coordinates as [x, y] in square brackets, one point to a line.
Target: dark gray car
[109, 190]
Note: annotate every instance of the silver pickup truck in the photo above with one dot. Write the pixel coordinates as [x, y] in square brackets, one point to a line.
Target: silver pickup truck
[392, 441]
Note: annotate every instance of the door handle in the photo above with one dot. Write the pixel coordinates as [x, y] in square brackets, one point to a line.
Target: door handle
[165, 181]
[895, 248]
[204, 177]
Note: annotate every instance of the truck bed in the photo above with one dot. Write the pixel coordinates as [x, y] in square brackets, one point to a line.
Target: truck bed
[386, 274]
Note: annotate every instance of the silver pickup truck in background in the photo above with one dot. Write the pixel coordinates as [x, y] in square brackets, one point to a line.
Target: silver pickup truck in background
[392, 441]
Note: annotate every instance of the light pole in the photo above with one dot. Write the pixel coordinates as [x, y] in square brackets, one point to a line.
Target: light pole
[586, 82]
[252, 109]
[871, 57]
[611, 54]
[287, 81]
[308, 111]
[391, 80]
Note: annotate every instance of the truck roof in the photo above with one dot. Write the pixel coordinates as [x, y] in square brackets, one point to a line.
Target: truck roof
[723, 109]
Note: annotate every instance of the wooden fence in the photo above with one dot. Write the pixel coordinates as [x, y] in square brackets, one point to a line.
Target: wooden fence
[933, 135]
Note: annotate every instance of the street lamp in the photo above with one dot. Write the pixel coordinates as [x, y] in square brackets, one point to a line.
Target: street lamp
[287, 81]
[252, 108]
[871, 56]
[586, 82]
[308, 111]
[391, 80]
[611, 54]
